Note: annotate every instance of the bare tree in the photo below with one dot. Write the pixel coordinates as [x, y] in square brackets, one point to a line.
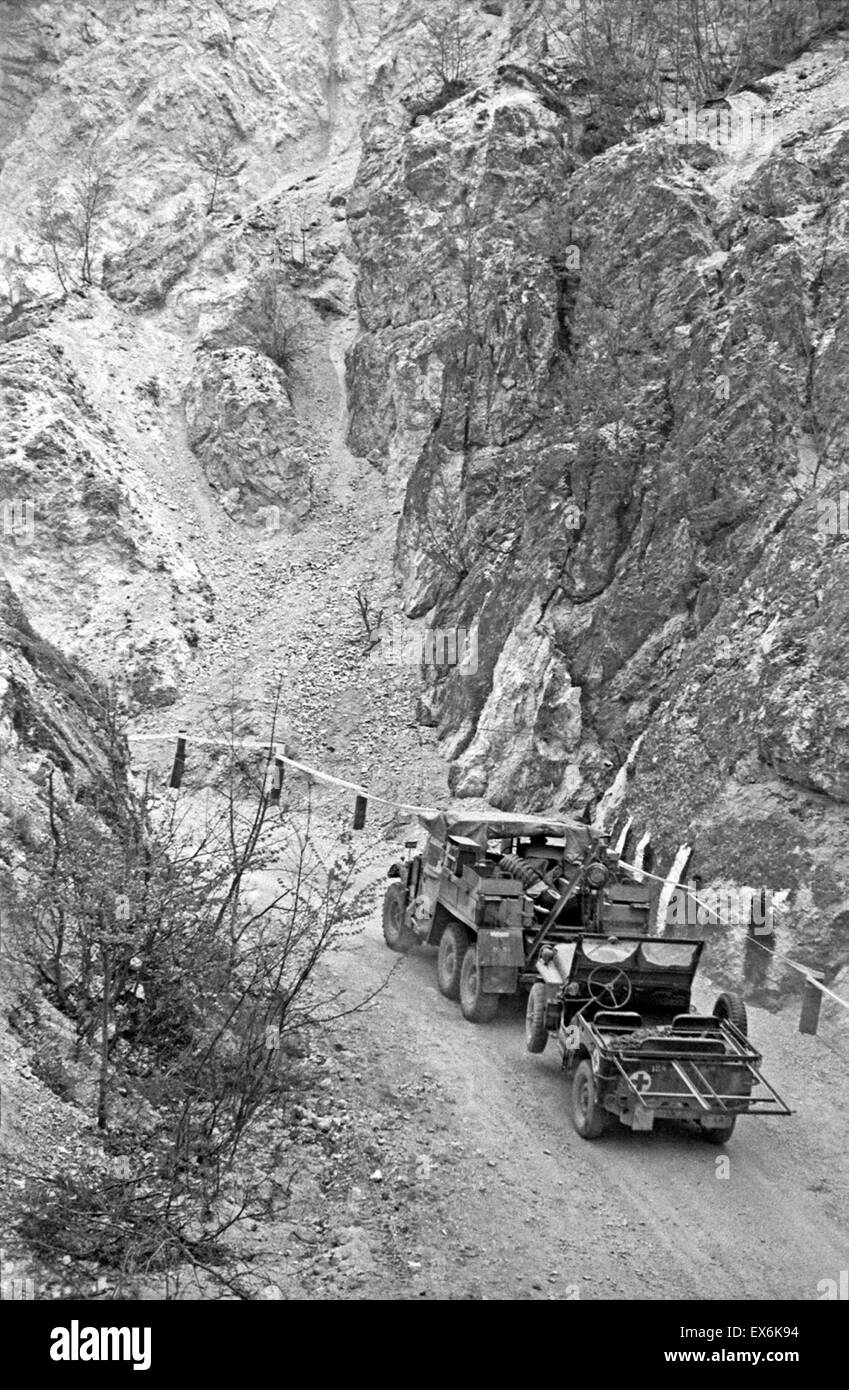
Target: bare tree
[464, 342]
[92, 187]
[70, 217]
[618, 47]
[448, 46]
[292, 236]
[215, 154]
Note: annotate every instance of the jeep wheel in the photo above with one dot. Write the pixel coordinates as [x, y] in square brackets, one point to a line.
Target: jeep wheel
[587, 1115]
[732, 1008]
[718, 1134]
[477, 1007]
[453, 945]
[536, 1033]
[397, 935]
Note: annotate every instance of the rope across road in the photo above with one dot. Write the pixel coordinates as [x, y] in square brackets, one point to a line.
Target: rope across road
[275, 754]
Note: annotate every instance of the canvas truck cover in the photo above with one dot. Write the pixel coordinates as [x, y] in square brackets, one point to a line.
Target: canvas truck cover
[501, 826]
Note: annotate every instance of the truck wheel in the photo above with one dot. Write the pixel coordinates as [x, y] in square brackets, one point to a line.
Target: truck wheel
[587, 1115]
[536, 1033]
[476, 1006]
[453, 945]
[719, 1134]
[397, 935]
[732, 1008]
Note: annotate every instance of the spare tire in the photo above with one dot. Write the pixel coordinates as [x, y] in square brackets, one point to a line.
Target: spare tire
[536, 1033]
[731, 1007]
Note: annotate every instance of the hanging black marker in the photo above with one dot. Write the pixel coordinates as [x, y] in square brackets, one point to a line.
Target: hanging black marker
[276, 782]
[360, 805]
[179, 760]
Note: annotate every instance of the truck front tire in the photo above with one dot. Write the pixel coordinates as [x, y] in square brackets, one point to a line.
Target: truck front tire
[397, 935]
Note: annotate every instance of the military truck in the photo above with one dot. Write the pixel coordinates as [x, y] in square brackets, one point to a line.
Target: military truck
[489, 892]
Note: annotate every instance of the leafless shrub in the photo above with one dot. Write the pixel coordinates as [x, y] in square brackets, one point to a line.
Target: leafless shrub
[280, 331]
[371, 617]
[446, 59]
[146, 931]
[215, 155]
[69, 219]
[618, 50]
[448, 45]
[706, 48]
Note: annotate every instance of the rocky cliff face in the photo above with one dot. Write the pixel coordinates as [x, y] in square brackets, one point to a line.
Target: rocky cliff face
[619, 384]
[100, 569]
[52, 729]
[120, 406]
[600, 372]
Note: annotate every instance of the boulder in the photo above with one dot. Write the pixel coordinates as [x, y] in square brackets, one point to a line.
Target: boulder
[244, 430]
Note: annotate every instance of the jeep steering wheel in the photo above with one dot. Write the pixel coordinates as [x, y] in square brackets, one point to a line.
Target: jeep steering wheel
[609, 994]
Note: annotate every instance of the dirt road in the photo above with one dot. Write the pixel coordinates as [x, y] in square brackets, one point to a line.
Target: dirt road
[521, 1206]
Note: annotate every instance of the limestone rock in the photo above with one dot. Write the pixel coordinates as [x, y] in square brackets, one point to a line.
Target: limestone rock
[119, 596]
[627, 412]
[143, 274]
[243, 428]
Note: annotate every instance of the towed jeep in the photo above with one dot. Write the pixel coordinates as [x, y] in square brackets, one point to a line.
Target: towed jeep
[490, 893]
[633, 1049]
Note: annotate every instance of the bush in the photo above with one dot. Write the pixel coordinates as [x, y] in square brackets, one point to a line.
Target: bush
[114, 1223]
[47, 1064]
[278, 334]
[184, 992]
[428, 106]
[616, 52]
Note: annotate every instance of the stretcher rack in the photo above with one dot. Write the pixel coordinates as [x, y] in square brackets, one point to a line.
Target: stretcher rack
[719, 1081]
